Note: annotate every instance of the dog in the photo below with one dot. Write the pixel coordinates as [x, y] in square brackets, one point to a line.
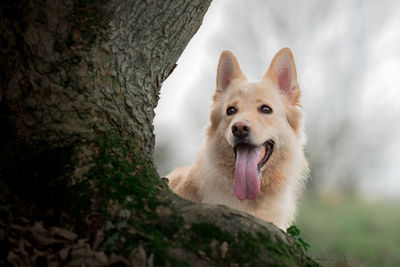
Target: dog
[253, 156]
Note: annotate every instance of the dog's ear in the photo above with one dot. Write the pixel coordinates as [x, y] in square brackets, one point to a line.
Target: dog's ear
[282, 71]
[228, 70]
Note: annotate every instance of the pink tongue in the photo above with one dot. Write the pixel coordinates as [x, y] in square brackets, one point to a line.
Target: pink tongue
[246, 183]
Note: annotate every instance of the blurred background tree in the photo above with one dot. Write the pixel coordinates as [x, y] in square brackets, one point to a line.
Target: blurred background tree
[348, 62]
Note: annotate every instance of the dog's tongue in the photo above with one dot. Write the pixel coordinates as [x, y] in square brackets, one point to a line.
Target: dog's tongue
[246, 183]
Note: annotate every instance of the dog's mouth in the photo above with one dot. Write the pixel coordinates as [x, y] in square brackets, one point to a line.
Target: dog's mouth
[249, 161]
[265, 154]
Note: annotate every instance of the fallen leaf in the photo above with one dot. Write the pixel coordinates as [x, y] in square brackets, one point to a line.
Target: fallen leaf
[98, 239]
[17, 227]
[101, 257]
[118, 259]
[21, 247]
[138, 257]
[223, 249]
[38, 227]
[43, 240]
[14, 259]
[64, 252]
[78, 252]
[66, 234]
[150, 260]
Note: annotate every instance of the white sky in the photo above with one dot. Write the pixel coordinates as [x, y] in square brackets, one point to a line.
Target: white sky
[348, 60]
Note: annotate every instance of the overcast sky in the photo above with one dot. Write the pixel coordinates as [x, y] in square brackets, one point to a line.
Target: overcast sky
[348, 62]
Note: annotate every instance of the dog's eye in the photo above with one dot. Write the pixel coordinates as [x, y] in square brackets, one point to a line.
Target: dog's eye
[265, 109]
[231, 111]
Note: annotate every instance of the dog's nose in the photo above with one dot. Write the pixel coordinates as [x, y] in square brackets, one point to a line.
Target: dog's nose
[241, 129]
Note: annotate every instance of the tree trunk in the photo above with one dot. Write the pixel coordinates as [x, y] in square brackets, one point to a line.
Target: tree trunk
[79, 84]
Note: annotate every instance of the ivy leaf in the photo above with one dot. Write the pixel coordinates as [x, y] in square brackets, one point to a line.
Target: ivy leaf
[293, 231]
[304, 244]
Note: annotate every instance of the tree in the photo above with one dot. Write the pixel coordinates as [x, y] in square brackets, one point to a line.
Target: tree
[79, 82]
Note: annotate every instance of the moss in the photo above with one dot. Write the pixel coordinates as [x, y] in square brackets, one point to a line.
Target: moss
[128, 193]
[244, 248]
[201, 235]
[122, 174]
[207, 231]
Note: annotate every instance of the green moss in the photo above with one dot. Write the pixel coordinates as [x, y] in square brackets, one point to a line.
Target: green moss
[127, 192]
[243, 248]
[202, 234]
[122, 174]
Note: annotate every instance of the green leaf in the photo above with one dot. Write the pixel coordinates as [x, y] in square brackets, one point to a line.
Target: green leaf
[293, 231]
[304, 244]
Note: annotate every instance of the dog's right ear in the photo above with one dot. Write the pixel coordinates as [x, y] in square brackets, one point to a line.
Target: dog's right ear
[228, 70]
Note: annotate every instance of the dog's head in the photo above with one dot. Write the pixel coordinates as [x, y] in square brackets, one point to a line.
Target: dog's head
[259, 122]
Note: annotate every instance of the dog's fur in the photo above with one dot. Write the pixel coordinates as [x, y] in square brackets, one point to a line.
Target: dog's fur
[211, 178]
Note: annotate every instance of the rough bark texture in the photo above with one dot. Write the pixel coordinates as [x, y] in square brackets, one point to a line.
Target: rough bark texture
[79, 83]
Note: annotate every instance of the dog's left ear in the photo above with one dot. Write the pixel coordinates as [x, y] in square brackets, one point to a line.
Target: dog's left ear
[282, 71]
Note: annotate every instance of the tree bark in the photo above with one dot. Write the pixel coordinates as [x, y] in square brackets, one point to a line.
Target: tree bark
[79, 84]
